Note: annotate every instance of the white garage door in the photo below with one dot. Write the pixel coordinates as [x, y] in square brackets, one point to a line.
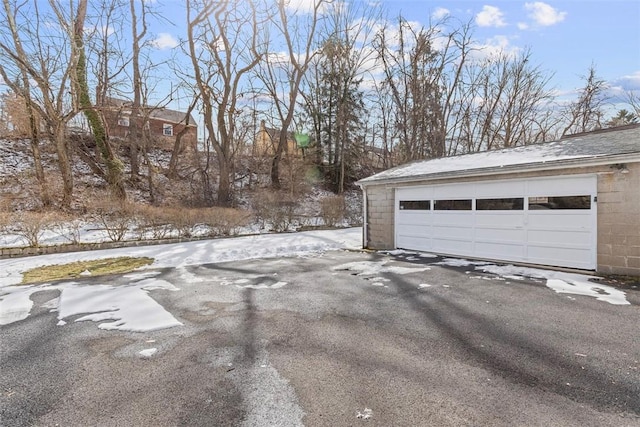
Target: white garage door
[548, 221]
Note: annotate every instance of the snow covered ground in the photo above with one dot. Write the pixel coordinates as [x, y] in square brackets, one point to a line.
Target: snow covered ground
[131, 307]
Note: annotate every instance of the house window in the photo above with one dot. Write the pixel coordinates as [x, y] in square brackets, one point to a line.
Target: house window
[415, 205]
[167, 129]
[564, 202]
[452, 205]
[123, 121]
[506, 204]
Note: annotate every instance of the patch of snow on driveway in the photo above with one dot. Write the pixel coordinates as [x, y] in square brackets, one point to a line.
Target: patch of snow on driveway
[15, 304]
[559, 281]
[130, 307]
[375, 268]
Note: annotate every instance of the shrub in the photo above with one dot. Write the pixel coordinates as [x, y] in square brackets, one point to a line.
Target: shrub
[354, 215]
[275, 209]
[5, 220]
[154, 220]
[116, 217]
[332, 210]
[32, 225]
[226, 221]
[67, 227]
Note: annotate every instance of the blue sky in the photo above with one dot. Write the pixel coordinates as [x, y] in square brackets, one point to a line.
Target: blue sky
[565, 37]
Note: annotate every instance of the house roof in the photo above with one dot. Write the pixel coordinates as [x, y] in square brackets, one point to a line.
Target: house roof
[158, 113]
[274, 134]
[615, 145]
[172, 116]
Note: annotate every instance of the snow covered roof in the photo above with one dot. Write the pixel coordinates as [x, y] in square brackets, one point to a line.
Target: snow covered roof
[616, 145]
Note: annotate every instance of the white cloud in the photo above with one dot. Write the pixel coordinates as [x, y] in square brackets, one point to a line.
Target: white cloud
[164, 41]
[440, 13]
[306, 6]
[490, 16]
[630, 82]
[494, 47]
[543, 14]
[523, 26]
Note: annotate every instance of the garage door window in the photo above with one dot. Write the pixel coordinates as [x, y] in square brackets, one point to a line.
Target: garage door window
[564, 202]
[415, 205]
[508, 204]
[452, 205]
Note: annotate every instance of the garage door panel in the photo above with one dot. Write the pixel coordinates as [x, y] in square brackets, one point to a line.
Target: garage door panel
[500, 189]
[561, 186]
[456, 219]
[414, 193]
[415, 230]
[452, 246]
[559, 222]
[413, 242]
[565, 257]
[501, 250]
[452, 191]
[452, 232]
[559, 238]
[500, 235]
[415, 219]
[499, 220]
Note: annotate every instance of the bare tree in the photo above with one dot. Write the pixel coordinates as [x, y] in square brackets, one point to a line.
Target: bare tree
[411, 71]
[22, 91]
[223, 48]
[114, 166]
[38, 62]
[508, 95]
[633, 99]
[587, 112]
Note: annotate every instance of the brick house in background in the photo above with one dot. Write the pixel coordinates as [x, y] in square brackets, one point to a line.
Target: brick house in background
[163, 123]
[267, 142]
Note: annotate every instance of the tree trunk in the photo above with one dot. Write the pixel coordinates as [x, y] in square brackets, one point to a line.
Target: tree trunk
[224, 186]
[45, 197]
[64, 163]
[113, 164]
[275, 165]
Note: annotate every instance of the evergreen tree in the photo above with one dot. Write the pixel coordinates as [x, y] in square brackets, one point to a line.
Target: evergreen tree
[339, 115]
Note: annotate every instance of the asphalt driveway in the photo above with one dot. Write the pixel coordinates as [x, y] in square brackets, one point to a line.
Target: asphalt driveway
[343, 339]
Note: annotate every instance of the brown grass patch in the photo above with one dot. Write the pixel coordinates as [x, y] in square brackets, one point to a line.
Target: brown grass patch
[98, 267]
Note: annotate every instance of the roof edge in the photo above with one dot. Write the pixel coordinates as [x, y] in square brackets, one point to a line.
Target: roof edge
[503, 170]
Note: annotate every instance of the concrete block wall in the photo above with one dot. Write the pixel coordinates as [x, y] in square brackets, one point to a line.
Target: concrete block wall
[380, 212]
[619, 221]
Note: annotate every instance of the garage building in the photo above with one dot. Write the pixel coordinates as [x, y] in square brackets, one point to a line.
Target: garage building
[568, 203]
